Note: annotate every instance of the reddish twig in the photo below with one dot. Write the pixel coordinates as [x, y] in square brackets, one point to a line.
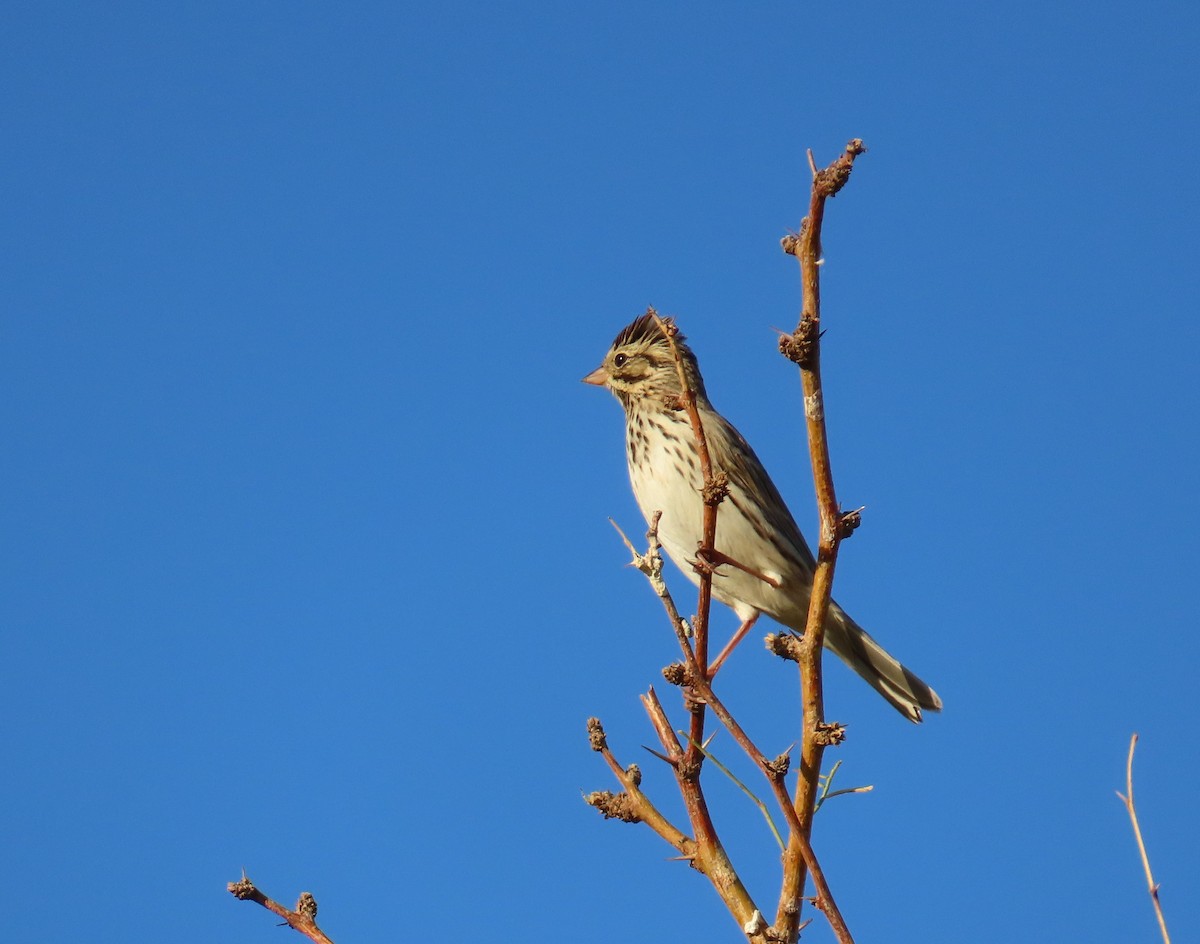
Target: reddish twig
[705, 852]
[695, 674]
[697, 677]
[803, 347]
[711, 856]
[632, 805]
[775, 771]
[713, 495]
[302, 919]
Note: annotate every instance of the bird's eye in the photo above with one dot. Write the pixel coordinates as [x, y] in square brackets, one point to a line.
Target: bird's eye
[619, 360]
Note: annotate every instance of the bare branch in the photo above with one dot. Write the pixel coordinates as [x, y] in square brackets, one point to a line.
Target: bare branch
[1127, 799]
[803, 347]
[302, 919]
[694, 675]
[632, 805]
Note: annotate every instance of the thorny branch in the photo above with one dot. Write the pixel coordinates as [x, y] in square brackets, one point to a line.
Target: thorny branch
[699, 693]
[803, 347]
[706, 853]
[694, 675]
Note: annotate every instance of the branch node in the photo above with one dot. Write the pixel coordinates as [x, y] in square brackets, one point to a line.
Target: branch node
[613, 805]
[714, 491]
[778, 767]
[688, 770]
[831, 733]
[800, 347]
[849, 523]
[693, 701]
[784, 645]
[307, 905]
[756, 925]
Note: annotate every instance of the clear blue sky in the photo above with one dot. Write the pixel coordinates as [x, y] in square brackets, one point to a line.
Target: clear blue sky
[305, 560]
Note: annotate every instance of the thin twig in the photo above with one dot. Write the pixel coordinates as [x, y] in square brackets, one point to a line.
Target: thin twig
[762, 807]
[709, 855]
[1127, 799]
[827, 782]
[662, 727]
[708, 540]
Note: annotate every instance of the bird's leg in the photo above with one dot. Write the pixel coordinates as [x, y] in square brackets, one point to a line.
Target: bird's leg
[731, 645]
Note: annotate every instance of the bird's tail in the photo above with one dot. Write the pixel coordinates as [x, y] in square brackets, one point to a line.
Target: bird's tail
[851, 643]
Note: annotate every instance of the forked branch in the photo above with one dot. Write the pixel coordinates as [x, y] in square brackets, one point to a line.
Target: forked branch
[706, 852]
[695, 674]
[302, 918]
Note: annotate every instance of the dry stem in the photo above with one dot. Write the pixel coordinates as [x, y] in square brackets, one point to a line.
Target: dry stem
[1127, 799]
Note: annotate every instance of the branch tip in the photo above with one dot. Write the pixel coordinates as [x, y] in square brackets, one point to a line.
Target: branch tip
[1151, 885]
[827, 182]
[596, 736]
[243, 889]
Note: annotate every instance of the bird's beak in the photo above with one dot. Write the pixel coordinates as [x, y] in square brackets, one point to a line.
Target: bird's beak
[598, 377]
